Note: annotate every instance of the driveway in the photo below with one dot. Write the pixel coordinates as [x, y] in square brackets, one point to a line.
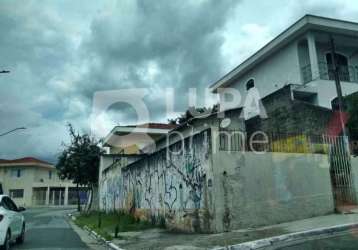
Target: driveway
[49, 228]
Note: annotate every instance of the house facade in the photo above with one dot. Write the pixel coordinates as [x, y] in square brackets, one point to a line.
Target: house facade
[227, 170]
[33, 182]
[300, 56]
[208, 182]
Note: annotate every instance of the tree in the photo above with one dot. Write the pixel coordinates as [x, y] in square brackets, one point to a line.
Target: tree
[191, 113]
[352, 109]
[79, 162]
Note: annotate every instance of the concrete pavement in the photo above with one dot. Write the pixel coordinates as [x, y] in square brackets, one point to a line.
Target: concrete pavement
[49, 228]
[161, 239]
[347, 241]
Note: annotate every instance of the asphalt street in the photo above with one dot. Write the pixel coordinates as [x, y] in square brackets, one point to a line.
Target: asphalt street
[49, 228]
[347, 241]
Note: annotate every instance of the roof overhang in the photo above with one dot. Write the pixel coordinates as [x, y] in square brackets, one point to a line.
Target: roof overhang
[308, 22]
[134, 131]
[39, 165]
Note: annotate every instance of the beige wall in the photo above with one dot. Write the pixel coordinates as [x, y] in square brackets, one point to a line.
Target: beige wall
[31, 176]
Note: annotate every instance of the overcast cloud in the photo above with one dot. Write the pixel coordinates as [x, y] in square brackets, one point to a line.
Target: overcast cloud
[61, 52]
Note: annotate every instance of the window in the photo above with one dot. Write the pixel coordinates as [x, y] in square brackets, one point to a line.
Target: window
[250, 84]
[8, 204]
[50, 174]
[342, 63]
[16, 173]
[16, 193]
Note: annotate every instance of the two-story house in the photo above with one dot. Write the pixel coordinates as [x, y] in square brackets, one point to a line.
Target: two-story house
[301, 57]
[210, 175]
[33, 182]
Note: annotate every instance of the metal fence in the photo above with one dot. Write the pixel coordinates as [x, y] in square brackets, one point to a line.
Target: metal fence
[347, 73]
[234, 140]
[340, 169]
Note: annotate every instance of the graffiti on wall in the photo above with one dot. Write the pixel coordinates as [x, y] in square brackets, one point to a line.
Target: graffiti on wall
[170, 181]
[111, 195]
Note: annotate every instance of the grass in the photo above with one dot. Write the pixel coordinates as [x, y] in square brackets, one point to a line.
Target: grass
[106, 224]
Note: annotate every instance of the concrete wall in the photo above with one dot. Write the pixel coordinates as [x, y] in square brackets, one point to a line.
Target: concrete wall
[253, 190]
[326, 90]
[285, 116]
[200, 124]
[354, 169]
[207, 190]
[110, 179]
[166, 186]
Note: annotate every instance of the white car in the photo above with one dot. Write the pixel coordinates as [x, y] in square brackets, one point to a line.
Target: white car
[12, 222]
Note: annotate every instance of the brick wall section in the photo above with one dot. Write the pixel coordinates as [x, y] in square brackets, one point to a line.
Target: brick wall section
[290, 116]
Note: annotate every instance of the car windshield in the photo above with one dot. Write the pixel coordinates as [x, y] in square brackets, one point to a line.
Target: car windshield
[195, 124]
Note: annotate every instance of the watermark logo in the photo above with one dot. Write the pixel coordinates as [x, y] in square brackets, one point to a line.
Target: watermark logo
[142, 136]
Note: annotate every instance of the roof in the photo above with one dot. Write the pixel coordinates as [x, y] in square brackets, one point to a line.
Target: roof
[25, 161]
[152, 129]
[307, 22]
[154, 126]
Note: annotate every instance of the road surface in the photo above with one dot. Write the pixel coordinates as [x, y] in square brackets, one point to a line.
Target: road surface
[48, 228]
[347, 241]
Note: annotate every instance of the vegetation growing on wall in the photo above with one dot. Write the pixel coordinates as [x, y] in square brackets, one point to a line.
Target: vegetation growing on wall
[111, 224]
[352, 109]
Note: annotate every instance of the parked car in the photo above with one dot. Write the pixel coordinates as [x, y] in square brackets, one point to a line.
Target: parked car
[12, 222]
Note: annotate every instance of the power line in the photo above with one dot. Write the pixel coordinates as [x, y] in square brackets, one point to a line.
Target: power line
[13, 130]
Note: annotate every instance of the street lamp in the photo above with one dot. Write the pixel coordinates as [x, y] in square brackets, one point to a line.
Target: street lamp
[11, 131]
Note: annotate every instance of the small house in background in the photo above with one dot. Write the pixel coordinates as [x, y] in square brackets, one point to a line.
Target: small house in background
[32, 182]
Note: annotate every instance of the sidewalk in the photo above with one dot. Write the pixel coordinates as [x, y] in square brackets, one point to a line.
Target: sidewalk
[161, 239]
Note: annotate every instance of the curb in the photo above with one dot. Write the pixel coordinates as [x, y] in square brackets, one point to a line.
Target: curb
[98, 237]
[286, 239]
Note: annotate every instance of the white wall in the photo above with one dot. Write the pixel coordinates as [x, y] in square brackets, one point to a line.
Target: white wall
[326, 90]
[278, 70]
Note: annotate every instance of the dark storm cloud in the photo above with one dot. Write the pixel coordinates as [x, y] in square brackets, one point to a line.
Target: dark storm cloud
[179, 40]
[62, 52]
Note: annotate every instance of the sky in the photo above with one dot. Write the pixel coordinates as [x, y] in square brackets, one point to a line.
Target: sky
[61, 53]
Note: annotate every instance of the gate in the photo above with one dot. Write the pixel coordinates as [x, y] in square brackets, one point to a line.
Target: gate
[340, 169]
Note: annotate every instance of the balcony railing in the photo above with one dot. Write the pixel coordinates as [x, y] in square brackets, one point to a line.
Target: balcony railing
[346, 73]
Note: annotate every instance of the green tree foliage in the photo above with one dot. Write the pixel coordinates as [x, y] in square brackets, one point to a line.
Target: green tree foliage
[79, 161]
[191, 113]
[352, 109]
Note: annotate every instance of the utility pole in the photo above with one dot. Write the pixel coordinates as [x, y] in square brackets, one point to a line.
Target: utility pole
[341, 107]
